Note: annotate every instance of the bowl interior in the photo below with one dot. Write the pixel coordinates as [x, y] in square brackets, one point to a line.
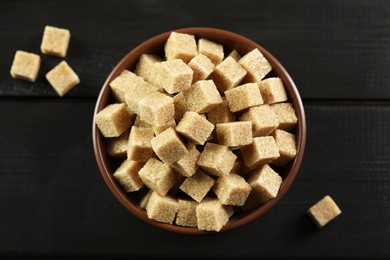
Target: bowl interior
[230, 41]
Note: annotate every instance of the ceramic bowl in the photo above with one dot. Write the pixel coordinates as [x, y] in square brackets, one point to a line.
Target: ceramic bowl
[230, 41]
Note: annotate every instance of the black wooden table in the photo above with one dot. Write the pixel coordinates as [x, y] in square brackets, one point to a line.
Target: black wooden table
[53, 200]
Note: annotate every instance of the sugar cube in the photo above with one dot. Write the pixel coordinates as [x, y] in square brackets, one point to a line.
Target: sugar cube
[234, 134]
[216, 159]
[25, 66]
[212, 215]
[256, 65]
[127, 175]
[213, 50]
[263, 120]
[186, 214]
[285, 113]
[195, 127]
[62, 78]
[232, 189]
[324, 211]
[228, 74]
[261, 151]
[265, 183]
[113, 120]
[168, 146]
[243, 97]
[157, 176]
[55, 41]
[202, 96]
[198, 185]
[202, 67]
[180, 46]
[162, 208]
[272, 90]
[286, 144]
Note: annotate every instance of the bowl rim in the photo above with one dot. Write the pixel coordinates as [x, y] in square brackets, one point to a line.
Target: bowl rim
[294, 98]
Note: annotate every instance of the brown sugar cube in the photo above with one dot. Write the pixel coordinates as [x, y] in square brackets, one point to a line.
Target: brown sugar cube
[145, 68]
[228, 74]
[25, 66]
[234, 134]
[159, 129]
[127, 175]
[256, 65]
[62, 78]
[265, 183]
[145, 199]
[162, 208]
[324, 211]
[243, 97]
[202, 96]
[186, 215]
[157, 176]
[156, 109]
[181, 106]
[180, 46]
[285, 113]
[128, 82]
[263, 150]
[173, 75]
[55, 41]
[212, 50]
[286, 145]
[232, 189]
[139, 147]
[187, 166]
[113, 120]
[139, 122]
[202, 67]
[235, 55]
[216, 159]
[117, 146]
[221, 114]
[168, 146]
[212, 215]
[195, 127]
[263, 119]
[272, 90]
[198, 185]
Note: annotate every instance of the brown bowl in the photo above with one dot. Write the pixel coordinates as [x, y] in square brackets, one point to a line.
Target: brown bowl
[230, 41]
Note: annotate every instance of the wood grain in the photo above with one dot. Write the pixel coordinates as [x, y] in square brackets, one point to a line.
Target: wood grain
[54, 203]
[332, 49]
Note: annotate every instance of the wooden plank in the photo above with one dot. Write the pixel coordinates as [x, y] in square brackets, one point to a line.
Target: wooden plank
[54, 202]
[333, 49]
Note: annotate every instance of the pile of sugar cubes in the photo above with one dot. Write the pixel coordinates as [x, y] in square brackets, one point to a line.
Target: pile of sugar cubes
[199, 134]
[55, 41]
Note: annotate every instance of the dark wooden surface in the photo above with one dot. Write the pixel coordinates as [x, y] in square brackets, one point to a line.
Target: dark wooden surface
[53, 201]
